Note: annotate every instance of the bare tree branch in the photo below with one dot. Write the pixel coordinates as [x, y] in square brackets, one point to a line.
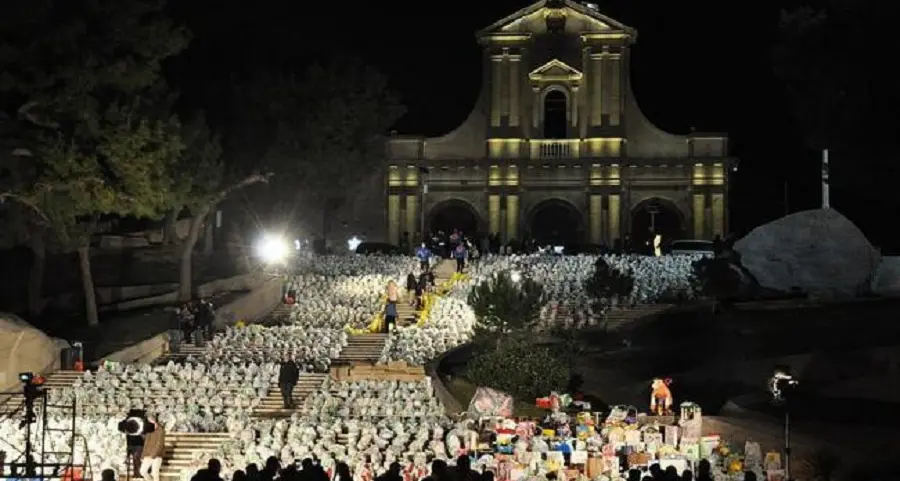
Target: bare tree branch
[25, 202]
[246, 182]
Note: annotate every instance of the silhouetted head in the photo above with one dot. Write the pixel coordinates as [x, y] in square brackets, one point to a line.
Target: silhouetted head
[108, 475]
[214, 466]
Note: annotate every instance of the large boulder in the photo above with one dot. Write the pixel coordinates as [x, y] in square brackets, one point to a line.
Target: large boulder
[23, 348]
[817, 251]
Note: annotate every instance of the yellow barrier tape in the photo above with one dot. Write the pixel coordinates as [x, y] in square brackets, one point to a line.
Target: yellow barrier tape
[430, 299]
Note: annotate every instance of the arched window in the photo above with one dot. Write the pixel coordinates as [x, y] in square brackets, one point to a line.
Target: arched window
[555, 106]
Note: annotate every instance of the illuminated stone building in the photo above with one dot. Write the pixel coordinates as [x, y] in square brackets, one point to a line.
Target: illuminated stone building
[557, 133]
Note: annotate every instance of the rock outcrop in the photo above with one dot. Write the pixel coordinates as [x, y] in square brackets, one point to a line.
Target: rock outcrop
[23, 348]
[820, 252]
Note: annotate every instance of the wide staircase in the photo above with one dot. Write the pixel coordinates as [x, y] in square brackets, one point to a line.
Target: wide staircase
[630, 317]
[363, 349]
[272, 405]
[184, 451]
[443, 272]
[58, 380]
[184, 351]
[280, 314]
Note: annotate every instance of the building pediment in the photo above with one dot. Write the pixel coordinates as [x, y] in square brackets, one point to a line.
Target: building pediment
[579, 19]
[555, 71]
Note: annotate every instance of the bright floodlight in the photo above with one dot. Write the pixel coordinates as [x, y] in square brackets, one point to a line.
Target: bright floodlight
[353, 243]
[515, 276]
[781, 382]
[272, 249]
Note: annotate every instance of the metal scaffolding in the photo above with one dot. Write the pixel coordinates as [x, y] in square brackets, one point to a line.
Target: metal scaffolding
[34, 460]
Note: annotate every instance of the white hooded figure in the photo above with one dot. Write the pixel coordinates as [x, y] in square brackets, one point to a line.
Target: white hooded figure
[453, 444]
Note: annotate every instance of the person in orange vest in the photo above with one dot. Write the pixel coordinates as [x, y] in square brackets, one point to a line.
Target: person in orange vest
[661, 397]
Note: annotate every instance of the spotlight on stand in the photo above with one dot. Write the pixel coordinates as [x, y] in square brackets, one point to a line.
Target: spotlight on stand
[781, 386]
[272, 249]
[353, 243]
[135, 424]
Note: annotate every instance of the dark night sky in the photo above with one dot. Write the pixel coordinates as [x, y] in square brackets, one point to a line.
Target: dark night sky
[699, 63]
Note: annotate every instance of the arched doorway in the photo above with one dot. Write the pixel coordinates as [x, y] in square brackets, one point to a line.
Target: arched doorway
[655, 216]
[453, 214]
[555, 109]
[555, 222]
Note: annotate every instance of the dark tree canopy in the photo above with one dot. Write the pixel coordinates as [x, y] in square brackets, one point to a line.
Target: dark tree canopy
[320, 132]
[85, 134]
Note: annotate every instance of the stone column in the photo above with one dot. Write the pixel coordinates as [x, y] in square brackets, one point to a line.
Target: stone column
[412, 214]
[494, 214]
[615, 98]
[699, 210]
[596, 91]
[514, 96]
[537, 108]
[595, 214]
[512, 217]
[718, 215]
[394, 219]
[576, 98]
[615, 219]
[496, 90]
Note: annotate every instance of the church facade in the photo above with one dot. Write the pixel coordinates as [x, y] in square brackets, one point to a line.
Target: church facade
[556, 133]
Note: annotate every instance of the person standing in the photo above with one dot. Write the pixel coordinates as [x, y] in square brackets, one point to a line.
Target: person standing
[288, 375]
[411, 288]
[423, 253]
[390, 308]
[154, 450]
[460, 253]
[390, 316]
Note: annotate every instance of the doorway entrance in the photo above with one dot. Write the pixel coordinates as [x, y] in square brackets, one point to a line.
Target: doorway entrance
[655, 216]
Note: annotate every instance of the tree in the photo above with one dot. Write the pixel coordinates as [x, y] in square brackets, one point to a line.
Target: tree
[506, 305]
[329, 126]
[607, 284]
[202, 180]
[843, 95]
[520, 368]
[82, 79]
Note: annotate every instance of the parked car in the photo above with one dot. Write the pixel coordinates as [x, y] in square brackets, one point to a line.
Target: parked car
[690, 247]
[378, 248]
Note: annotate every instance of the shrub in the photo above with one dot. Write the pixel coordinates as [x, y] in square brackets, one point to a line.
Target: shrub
[520, 368]
[607, 283]
[716, 278]
[505, 306]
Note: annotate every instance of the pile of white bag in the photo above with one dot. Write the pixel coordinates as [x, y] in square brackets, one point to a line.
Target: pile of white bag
[189, 397]
[345, 291]
[451, 322]
[376, 399]
[345, 423]
[313, 347]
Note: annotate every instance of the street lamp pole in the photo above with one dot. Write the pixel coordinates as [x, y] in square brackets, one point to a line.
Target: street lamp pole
[787, 442]
[782, 385]
[423, 171]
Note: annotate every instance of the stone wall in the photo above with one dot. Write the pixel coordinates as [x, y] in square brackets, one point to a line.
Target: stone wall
[257, 303]
[253, 305]
[144, 351]
[392, 371]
